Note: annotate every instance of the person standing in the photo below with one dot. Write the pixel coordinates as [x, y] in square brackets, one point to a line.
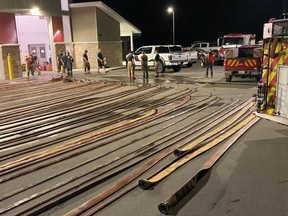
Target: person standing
[157, 63]
[36, 62]
[59, 61]
[64, 63]
[100, 60]
[30, 66]
[210, 61]
[69, 64]
[131, 65]
[144, 65]
[86, 63]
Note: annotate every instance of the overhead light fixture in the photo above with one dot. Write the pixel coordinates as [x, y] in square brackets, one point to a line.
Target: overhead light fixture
[170, 10]
[35, 11]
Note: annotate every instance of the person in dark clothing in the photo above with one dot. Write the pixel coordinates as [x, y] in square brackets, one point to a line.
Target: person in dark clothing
[157, 63]
[69, 64]
[86, 63]
[36, 62]
[100, 60]
[131, 65]
[59, 61]
[64, 63]
[144, 65]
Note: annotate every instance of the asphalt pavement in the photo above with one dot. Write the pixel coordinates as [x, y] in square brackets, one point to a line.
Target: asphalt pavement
[250, 179]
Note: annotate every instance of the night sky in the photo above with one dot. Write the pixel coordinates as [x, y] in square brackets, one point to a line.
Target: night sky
[195, 19]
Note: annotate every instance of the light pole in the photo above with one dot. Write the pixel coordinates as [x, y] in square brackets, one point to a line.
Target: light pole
[171, 10]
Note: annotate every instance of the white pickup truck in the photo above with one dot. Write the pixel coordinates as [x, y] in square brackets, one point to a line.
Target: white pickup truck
[204, 47]
[171, 56]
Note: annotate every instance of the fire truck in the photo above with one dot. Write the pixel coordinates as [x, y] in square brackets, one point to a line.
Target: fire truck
[233, 40]
[243, 61]
[272, 94]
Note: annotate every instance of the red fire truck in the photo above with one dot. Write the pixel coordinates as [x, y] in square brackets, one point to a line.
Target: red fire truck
[233, 40]
[272, 95]
[243, 61]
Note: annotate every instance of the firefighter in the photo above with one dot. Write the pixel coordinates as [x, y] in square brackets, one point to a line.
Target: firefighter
[131, 65]
[59, 61]
[30, 65]
[210, 61]
[157, 63]
[69, 64]
[35, 62]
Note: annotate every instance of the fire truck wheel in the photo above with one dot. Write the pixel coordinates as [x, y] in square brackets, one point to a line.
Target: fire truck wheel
[228, 79]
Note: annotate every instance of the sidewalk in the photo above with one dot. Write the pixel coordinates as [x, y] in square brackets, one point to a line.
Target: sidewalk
[46, 76]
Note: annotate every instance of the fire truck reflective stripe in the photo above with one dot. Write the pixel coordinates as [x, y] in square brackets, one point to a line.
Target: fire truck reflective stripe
[273, 70]
[250, 62]
[272, 64]
[265, 66]
[285, 51]
[272, 81]
[264, 74]
[272, 58]
[234, 63]
[273, 76]
[229, 62]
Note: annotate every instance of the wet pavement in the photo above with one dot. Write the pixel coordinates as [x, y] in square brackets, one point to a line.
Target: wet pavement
[119, 74]
[250, 179]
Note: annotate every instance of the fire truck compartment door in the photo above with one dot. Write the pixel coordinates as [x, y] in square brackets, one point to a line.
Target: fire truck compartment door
[257, 53]
[231, 53]
[280, 28]
[282, 91]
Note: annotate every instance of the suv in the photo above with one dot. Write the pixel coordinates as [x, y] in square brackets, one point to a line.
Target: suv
[171, 56]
